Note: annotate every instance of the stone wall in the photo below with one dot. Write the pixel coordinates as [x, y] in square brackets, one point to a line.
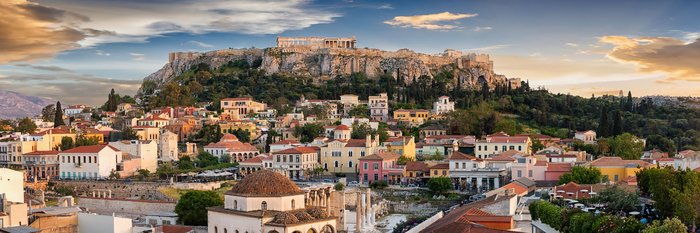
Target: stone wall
[118, 189]
[198, 186]
[124, 207]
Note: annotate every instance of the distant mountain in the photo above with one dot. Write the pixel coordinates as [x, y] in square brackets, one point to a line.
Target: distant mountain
[16, 105]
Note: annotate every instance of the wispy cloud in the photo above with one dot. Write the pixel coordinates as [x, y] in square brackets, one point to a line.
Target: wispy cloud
[488, 48]
[102, 53]
[429, 21]
[675, 57]
[138, 56]
[41, 30]
[572, 44]
[200, 44]
[478, 29]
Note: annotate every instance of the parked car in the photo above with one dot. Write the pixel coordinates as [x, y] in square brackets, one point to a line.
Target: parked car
[353, 184]
[327, 181]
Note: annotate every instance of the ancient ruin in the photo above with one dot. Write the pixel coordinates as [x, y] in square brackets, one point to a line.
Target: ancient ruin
[317, 42]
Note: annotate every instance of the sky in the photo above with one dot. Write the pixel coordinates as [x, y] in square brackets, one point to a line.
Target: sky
[77, 50]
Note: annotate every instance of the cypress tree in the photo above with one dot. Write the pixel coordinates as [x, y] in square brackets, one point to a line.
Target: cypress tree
[58, 117]
[630, 104]
[617, 123]
[603, 125]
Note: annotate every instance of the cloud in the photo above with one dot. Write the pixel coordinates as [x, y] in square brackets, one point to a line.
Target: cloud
[385, 7]
[429, 21]
[488, 48]
[44, 68]
[200, 44]
[138, 56]
[42, 28]
[478, 29]
[102, 53]
[679, 59]
[572, 44]
[68, 87]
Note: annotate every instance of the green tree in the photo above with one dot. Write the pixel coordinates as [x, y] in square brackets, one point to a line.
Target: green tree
[114, 175]
[48, 113]
[308, 132]
[129, 134]
[192, 207]
[26, 125]
[66, 143]
[440, 185]
[359, 111]
[403, 160]
[143, 174]
[658, 183]
[165, 170]
[617, 199]
[209, 134]
[603, 125]
[617, 123]
[205, 159]
[185, 163]
[86, 141]
[673, 225]
[537, 145]
[686, 198]
[58, 116]
[582, 175]
[627, 146]
[361, 130]
[339, 186]
[242, 135]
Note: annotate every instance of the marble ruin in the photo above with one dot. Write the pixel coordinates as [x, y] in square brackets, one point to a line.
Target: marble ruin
[317, 42]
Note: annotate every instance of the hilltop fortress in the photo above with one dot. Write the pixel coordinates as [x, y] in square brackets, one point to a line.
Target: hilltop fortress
[325, 58]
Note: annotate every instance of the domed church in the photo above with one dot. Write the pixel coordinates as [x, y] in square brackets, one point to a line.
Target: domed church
[268, 202]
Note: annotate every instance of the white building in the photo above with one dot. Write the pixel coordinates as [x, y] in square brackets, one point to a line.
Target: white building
[230, 146]
[268, 202]
[89, 162]
[588, 136]
[73, 110]
[379, 107]
[443, 105]
[167, 146]
[147, 150]
[103, 223]
[296, 163]
[498, 143]
[473, 173]
[12, 185]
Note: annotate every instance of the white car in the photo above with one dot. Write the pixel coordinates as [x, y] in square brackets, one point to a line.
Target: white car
[353, 184]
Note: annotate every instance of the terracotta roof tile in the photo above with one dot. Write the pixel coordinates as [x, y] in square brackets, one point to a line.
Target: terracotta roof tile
[298, 150]
[462, 156]
[382, 155]
[617, 162]
[417, 166]
[89, 149]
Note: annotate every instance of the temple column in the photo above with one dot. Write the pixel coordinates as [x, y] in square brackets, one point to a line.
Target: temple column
[328, 198]
[358, 213]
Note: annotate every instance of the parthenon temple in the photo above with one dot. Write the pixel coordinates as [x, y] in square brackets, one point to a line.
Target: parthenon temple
[317, 42]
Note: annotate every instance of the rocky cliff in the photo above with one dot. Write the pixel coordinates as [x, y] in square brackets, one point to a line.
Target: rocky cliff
[16, 105]
[469, 70]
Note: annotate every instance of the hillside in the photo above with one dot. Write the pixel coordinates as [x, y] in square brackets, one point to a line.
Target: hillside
[320, 64]
[16, 105]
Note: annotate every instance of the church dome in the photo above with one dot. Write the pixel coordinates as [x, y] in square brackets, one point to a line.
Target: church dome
[265, 183]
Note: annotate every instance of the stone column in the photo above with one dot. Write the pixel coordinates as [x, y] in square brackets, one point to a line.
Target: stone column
[358, 213]
[328, 200]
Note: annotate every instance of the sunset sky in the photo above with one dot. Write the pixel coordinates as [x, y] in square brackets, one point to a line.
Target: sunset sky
[76, 50]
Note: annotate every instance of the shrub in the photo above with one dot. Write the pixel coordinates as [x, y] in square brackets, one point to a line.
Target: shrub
[339, 186]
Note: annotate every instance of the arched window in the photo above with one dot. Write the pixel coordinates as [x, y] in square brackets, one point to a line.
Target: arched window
[235, 204]
[225, 230]
[216, 230]
[263, 206]
[292, 203]
[349, 163]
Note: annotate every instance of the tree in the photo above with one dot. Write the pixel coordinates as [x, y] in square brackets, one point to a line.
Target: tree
[192, 207]
[582, 175]
[48, 113]
[361, 130]
[185, 163]
[58, 116]
[627, 146]
[165, 170]
[686, 198]
[617, 199]
[308, 132]
[205, 159]
[657, 183]
[86, 141]
[129, 134]
[603, 127]
[242, 135]
[209, 134]
[114, 175]
[359, 111]
[25, 125]
[440, 185]
[403, 160]
[339, 186]
[66, 143]
[537, 145]
[673, 225]
[617, 123]
[143, 174]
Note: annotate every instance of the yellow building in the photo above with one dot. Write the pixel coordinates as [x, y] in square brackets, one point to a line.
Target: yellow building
[94, 133]
[416, 170]
[440, 170]
[230, 126]
[616, 169]
[55, 135]
[341, 156]
[405, 146]
[145, 132]
[414, 117]
[237, 108]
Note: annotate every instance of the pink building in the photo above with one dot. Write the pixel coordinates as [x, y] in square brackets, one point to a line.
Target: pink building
[381, 166]
[538, 170]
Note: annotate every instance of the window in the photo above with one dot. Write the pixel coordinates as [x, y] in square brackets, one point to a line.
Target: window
[216, 230]
[365, 177]
[365, 165]
[435, 172]
[464, 165]
[376, 177]
[336, 163]
[292, 203]
[473, 165]
[376, 166]
[350, 154]
[235, 204]
[520, 148]
[349, 163]
[444, 173]
[617, 177]
[529, 173]
[520, 173]
[263, 206]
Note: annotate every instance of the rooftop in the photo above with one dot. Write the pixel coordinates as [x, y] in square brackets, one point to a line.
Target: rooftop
[265, 183]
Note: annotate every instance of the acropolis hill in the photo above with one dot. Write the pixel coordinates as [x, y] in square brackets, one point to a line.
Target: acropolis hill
[326, 58]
